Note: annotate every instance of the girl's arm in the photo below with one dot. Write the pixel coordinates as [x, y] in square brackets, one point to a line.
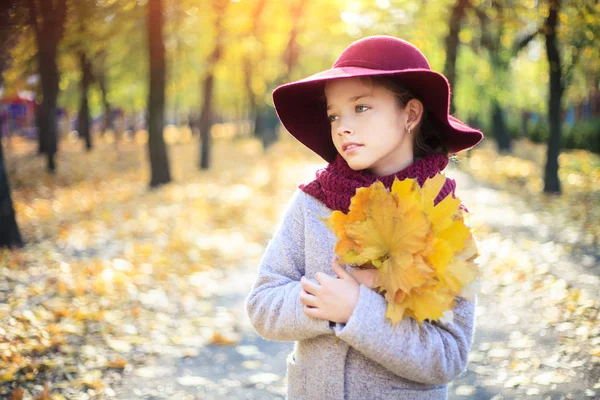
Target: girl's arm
[434, 353]
[273, 305]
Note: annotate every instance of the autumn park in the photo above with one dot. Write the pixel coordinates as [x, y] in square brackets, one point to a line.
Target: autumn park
[144, 170]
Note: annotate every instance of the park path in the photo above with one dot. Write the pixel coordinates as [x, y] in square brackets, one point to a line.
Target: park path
[537, 335]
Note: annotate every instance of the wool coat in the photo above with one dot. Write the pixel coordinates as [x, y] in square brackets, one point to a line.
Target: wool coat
[372, 359]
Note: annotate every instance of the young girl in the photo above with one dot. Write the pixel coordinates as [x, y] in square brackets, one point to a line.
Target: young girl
[380, 112]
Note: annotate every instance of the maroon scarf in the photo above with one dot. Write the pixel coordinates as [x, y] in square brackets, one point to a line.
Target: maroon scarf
[335, 184]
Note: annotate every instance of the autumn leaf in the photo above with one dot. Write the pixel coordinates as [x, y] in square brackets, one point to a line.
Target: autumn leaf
[17, 394]
[119, 363]
[423, 252]
[45, 395]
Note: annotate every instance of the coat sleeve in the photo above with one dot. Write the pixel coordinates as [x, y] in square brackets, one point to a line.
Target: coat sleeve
[273, 305]
[433, 353]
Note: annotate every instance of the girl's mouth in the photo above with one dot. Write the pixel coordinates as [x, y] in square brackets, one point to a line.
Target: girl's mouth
[350, 147]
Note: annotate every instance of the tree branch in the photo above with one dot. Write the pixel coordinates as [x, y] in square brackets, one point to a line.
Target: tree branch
[485, 40]
[568, 69]
[521, 44]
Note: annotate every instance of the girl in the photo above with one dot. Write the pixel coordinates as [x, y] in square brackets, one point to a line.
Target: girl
[380, 112]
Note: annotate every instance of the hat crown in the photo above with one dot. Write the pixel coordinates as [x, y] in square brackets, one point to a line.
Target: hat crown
[384, 53]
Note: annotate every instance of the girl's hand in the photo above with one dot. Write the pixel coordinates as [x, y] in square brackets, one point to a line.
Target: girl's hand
[365, 277]
[332, 299]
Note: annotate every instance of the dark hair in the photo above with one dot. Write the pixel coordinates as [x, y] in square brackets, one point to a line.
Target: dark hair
[427, 137]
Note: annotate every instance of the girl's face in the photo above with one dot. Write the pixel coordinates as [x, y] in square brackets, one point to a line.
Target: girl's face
[368, 126]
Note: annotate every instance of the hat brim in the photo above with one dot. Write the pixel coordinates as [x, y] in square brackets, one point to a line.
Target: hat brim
[302, 110]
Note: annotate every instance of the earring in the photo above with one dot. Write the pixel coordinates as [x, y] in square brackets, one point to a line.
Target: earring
[408, 130]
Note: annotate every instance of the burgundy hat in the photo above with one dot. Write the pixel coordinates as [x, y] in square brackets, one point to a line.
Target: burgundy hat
[301, 110]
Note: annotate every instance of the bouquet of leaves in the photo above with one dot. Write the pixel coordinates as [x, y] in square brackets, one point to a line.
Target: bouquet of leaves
[423, 253]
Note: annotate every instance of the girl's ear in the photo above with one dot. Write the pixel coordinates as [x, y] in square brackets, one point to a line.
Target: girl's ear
[414, 113]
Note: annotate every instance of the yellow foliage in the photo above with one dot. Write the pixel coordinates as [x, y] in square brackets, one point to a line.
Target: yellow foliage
[423, 253]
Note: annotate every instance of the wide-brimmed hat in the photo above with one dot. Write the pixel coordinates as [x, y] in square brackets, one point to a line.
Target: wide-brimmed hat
[302, 112]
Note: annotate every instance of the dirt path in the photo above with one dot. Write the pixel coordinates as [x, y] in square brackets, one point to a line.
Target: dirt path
[536, 337]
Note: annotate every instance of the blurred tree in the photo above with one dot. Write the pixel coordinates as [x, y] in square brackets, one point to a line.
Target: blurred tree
[89, 29]
[101, 79]
[495, 29]
[551, 181]
[256, 102]
[452, 44]
[159, 164]
[83, 118]
[575, 38]
[206, 114]
[292, 49]
[175, 56]
[47, 19]
[9, 230]
[290, 57]
[84, 11]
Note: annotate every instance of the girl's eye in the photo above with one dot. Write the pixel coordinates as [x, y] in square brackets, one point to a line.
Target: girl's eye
[332, 117]
[361, 108]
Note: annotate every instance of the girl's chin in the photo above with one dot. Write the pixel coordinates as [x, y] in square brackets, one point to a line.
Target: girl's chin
[357, 165]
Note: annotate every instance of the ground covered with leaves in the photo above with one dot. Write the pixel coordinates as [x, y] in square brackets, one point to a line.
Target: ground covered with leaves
[115, 275]
[575, 212]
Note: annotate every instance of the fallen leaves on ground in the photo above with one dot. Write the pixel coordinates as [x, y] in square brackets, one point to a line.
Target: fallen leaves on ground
[115, 273]
[576, 210]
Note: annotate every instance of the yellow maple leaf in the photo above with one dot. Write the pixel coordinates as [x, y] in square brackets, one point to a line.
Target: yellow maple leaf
[423, 252]
[336, 222]
[384, 231]
[430, 301]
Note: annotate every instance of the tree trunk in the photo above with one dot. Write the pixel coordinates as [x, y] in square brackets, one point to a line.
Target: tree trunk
[452, 43]
[48, 33]
[551, 181]
[207, 88]
[159, 163]
[250, 94]
[48, 128]
[206, 122]
[290, 59]
[83, 119]
[292, 51]
[499, 128]
[41, 138]
[107, 122]
[9, 230]
[177, 15]
[259, 123]
[256, 103]
[500, 61]
[269, 126]
[256, 106]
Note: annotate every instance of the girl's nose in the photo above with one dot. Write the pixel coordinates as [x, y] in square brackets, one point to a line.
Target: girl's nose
[344, 129]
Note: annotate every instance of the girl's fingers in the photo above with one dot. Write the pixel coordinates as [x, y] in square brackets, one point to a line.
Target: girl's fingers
[308, 286]
[312, 312]
[322, 277]
[339, 270]
[308, 299]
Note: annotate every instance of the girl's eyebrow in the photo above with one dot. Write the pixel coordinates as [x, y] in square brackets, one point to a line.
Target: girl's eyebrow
[352, 99]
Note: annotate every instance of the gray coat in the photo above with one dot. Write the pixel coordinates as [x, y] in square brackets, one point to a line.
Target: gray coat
[372, 359]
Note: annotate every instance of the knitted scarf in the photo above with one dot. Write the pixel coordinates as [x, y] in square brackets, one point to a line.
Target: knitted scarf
[335, 184]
